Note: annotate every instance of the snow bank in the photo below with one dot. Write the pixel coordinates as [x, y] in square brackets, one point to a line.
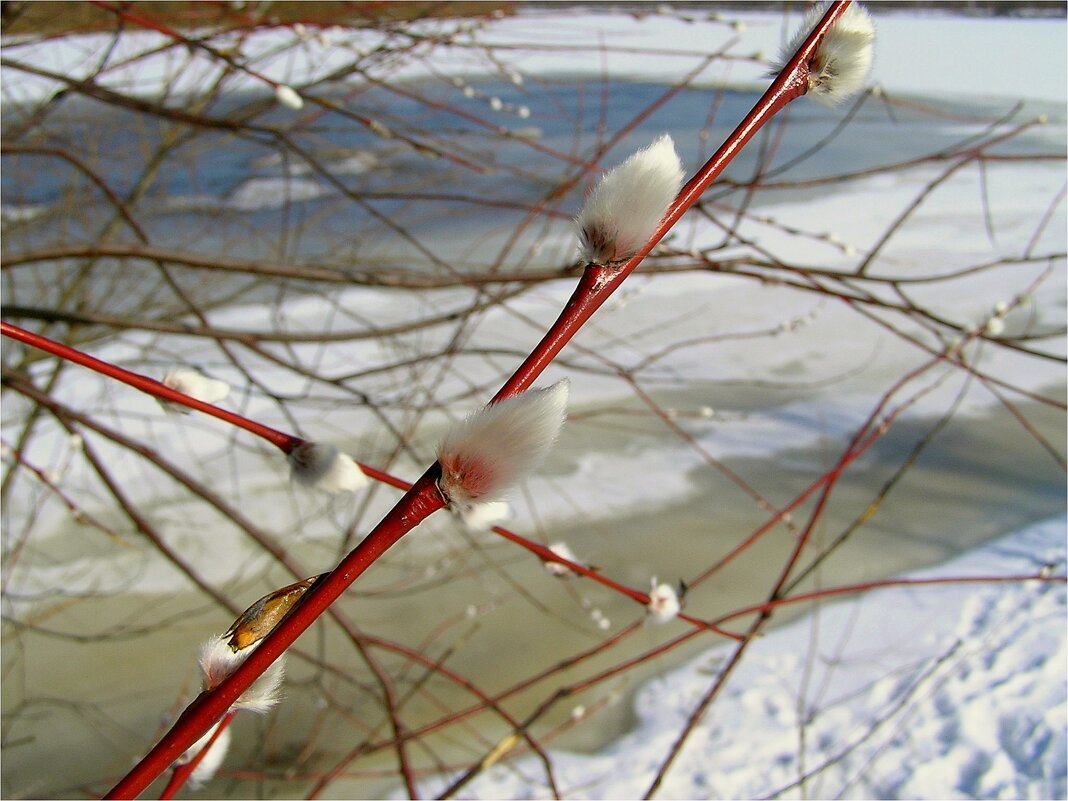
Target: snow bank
[954, 691]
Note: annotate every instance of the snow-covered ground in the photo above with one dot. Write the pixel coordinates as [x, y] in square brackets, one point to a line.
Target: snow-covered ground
[955, 691]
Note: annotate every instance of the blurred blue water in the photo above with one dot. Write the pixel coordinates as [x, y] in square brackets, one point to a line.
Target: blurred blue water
[213, 171]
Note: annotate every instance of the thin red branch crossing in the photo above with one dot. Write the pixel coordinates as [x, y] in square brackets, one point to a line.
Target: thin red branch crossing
[285, 442]
[182, 773]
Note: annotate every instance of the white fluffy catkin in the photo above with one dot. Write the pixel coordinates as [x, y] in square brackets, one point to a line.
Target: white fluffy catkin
[843, 58]
[218, 661]
[323, 467]
[664, 604]
[485, 454]
[629, 202]
[287, 96]
[195, 385]
[212, 760]
[563, 550]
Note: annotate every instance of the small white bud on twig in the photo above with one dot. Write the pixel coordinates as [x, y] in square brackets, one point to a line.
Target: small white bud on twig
[483, 455]
[287, 96]
[843, 58]
[664, 604]
[195, 385]
[212, 759]
[484, 516]
[380, 129]
[218, 661]
[628, 203]
[323, 467]
[599, 617]
[563, 550]
[995, 326]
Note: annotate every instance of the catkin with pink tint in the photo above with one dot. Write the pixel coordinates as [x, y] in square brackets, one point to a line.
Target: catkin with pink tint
[484, 455]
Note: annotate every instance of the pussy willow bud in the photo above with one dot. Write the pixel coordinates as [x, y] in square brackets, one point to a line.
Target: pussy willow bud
[843, 57]
[484, 455]
[629, 202]
[323, 467]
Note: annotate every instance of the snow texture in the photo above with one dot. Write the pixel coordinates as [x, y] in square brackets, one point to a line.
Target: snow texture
[954, 691]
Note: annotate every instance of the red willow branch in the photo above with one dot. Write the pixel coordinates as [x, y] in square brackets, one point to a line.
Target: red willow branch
[868, 586]
[598, 282]
[596, 285]
[284, 442]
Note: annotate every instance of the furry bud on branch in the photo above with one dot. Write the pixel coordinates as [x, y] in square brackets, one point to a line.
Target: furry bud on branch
[218, 661]
[628, 203]
[843, 58]
[495, 447]
[221, 656]
[664, 603]
[484, 516]
[323, 467]
[212, 759]
[195, 385]
[558, 569]
[287, 96]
